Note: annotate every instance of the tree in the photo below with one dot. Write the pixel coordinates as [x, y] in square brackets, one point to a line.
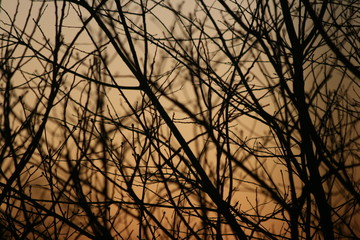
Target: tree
[193, 120]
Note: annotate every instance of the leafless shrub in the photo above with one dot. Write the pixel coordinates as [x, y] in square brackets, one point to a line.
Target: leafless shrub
[179, 120]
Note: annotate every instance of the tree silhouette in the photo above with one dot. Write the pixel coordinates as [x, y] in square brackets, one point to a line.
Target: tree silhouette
[159, 119]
